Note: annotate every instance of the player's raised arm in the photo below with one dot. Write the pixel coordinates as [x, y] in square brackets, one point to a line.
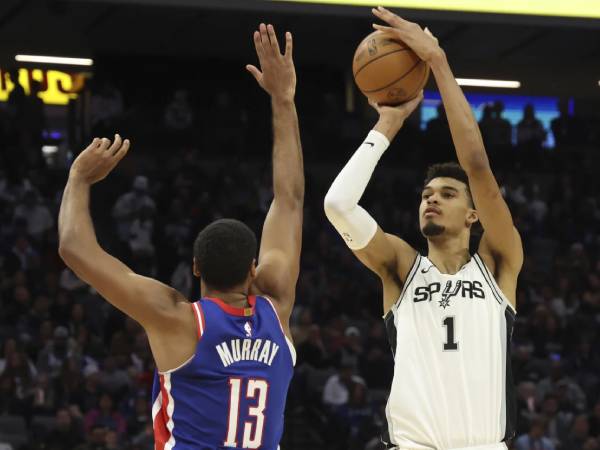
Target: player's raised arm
[144, 299]
[279, 255]
[501, 238]
[388, 256]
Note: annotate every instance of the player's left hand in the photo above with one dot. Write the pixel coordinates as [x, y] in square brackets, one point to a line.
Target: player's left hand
[277, 74]
[99, 159]
[422, 42]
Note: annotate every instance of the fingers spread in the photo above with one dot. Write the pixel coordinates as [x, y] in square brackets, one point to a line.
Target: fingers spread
[289, 44]
[264, 37]
[94, 144]
[104, 145]
[122, 150]
[273, 39]
[114, 148]
[257, 74]
[389, 17]
[258, 45]
[384, 28]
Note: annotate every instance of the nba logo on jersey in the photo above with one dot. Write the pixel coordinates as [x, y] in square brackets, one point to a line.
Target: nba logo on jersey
[231, 393]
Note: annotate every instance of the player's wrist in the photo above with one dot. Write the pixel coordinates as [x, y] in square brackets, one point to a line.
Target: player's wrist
[437, 59]
[388, 126]
[286, 99]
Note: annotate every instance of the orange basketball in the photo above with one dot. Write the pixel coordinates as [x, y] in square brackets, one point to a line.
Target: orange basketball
[387, 71]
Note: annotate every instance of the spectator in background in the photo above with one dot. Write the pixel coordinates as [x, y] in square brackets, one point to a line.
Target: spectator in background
[565, 127]
[37, 215]
[437, 135]
[500, 131]
[580, 433]
[105, 416]
[35, 121]
[312, 350]
[179, 115]
[129, 206]
[106, 109]
[338, 387]
[53, 356]
[67, 433]
[558, 422]
[530, 133]
[96, 439]
[24, 254]
[535, 439]
[595, 420]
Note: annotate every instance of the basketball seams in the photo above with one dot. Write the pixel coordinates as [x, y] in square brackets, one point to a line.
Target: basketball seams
[421, 84]
[379, 57]
[396, 80]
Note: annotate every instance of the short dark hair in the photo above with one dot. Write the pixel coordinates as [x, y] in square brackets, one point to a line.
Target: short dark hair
[224, 251]
[449, 170]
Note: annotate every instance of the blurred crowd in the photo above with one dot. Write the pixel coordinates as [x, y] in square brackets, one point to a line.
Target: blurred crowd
[75, 373]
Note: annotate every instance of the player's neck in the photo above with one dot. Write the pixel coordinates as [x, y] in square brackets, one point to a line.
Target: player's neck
[449, 255]
[236, 298]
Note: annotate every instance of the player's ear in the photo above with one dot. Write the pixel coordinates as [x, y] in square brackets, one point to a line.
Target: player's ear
[253, 269]
[472, 217]
[195, 268]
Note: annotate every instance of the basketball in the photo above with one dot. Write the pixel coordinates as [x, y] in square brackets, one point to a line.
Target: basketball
[387, 71]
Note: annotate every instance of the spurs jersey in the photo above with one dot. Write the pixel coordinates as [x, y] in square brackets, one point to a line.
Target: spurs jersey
[231, 393]
[452, 385]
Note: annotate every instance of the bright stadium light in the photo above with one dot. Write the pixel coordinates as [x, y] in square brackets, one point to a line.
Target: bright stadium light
[55, 60]
[488, 83]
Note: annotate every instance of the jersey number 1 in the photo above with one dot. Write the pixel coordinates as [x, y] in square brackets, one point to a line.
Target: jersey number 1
[256, 389]
[450, 344]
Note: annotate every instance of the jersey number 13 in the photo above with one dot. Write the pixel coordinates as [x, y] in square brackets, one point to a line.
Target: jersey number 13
[253, 432]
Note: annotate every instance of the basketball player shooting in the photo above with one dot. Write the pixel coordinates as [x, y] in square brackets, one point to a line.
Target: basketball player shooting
[449, 314]
[224, 362]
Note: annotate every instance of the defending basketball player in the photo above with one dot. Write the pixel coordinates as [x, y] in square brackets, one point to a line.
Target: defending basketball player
[224, 362]
[449, 314]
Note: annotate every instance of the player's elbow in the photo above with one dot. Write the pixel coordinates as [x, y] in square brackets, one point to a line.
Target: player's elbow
[67, 253]
[335, 206]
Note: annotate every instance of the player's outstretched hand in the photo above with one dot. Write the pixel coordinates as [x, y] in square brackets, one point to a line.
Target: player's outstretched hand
[400, 112]
[99, 159]
[277, 74]
[391, 118]
[422, 42]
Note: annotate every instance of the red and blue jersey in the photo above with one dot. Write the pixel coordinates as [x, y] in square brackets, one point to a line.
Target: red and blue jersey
[231, 393]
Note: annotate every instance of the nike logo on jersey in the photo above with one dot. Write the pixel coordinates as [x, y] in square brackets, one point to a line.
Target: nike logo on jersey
[370, 143]
[463, 288]
[237, 350]
[426, 270]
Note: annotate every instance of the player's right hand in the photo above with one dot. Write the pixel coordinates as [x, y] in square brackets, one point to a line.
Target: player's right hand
[391, 118]
[277, 74]
[98, 159]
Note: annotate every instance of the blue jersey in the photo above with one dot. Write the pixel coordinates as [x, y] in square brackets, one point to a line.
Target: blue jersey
[231, 393]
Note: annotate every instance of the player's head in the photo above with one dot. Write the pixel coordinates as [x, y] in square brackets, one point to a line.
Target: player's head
[225, 255]
[446, 204]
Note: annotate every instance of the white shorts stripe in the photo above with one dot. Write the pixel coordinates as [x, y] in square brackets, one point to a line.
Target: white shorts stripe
[170, 410]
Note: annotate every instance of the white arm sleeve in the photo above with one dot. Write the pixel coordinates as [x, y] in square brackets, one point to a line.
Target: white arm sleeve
[356, 225]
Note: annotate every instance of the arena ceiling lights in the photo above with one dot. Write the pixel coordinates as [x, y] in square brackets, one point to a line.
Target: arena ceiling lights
[559, 8]
[476, 82]
[54, 60]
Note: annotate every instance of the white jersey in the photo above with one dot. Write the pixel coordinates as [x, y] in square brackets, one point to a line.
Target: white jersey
[452, 385]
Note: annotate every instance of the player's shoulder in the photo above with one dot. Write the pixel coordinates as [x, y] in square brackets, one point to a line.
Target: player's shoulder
[507, 263]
